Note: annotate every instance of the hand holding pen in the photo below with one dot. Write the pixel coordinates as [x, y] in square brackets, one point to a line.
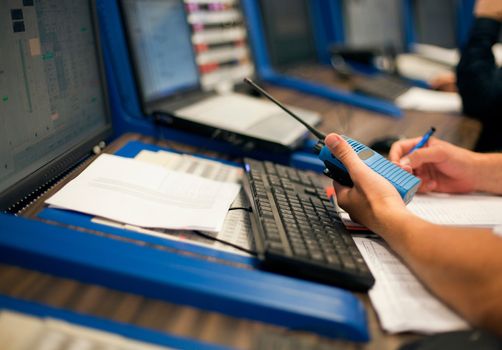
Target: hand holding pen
[441, 166]
[424, 140]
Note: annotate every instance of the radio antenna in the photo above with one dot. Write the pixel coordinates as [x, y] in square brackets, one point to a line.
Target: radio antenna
[313, 130]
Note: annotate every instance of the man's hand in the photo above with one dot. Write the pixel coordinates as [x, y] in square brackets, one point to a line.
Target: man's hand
[444, 82]
[372, 199]
[441, 166]
[489, 8]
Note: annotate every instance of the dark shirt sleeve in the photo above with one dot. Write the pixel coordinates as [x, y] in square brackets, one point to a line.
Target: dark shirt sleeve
[479, 79]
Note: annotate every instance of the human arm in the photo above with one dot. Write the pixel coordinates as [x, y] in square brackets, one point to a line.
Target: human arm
[444, 82]
[443, 167]
[463, 267]
[478, 79]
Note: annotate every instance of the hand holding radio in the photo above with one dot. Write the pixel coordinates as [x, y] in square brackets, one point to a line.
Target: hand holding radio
[441, 166]
[405, 183]
[372, 200]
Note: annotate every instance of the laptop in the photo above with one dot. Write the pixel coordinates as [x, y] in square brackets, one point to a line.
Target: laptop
[53, 104]
[166, 71]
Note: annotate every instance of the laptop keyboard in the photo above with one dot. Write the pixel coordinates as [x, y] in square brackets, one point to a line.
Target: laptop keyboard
[297, 230]
[385, 87]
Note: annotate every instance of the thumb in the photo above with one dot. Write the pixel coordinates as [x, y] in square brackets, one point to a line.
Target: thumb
[344, 153]
[423, 156]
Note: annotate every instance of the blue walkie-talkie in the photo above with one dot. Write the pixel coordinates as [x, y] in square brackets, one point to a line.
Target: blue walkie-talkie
[405, 183]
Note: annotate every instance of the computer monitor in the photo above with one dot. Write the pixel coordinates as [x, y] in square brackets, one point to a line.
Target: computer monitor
[53, 105]
[160, 43]
[436, 22]
[289, 32]
[220, 39]
[374, 23]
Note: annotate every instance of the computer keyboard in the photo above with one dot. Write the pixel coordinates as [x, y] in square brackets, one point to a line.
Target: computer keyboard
[297, 229]
[386, 87]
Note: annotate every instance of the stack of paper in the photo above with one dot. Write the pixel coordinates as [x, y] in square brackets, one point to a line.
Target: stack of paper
[147, 195]
[430, 100]
[400, 300]
[397, 293]
[237, 225]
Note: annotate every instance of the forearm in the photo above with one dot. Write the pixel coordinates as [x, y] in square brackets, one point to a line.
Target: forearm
[488, 168]
[461, 266]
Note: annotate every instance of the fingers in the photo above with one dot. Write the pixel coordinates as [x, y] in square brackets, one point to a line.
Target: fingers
[342, 194]
[344, 153]
[428, 155]
[428, 183]
[444, 81]
[400, 148]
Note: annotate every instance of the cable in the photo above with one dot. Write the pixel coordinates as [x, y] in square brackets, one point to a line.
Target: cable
[205, 235]
[249, 210]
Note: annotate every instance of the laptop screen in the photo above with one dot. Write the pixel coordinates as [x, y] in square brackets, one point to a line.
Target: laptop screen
[288, 30]
[436, 22]
[375, 23]
[51, 96]
[161, 45]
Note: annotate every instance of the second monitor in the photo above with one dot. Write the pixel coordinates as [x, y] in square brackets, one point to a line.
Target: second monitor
[170, 87]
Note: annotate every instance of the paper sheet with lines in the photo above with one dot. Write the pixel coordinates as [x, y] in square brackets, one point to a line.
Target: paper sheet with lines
[399, 298]
[237, 225]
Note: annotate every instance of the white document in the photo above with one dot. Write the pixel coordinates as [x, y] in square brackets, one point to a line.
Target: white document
[450, 56]
[147, 195]
[237, 225]
[236, 230]
[429, 100]
[439, 54]
[185, 163]
[413, 66]
[475, 210]
[399, 298]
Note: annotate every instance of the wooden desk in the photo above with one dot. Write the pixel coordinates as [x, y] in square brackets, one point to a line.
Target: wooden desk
[221, 329]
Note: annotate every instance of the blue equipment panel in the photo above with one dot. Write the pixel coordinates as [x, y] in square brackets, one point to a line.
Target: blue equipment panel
[239, 292]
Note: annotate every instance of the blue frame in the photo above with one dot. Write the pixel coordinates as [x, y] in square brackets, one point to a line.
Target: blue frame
[176, 278]
[267, 72]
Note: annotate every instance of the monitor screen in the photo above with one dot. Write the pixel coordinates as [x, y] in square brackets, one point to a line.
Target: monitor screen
[288, 30]
[52, 99]
[435, 22]
[160, 40]
[374, 23]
